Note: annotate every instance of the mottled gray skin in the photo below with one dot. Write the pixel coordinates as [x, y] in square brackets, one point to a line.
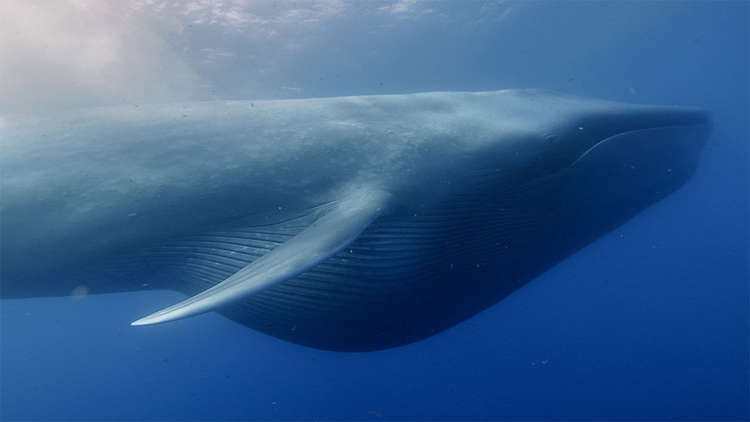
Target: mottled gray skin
[480, 185]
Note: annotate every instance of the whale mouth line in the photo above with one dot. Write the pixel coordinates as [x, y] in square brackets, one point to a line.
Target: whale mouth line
[627, 133]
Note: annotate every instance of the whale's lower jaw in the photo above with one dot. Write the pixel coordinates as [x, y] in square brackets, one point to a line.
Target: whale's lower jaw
[410, 276]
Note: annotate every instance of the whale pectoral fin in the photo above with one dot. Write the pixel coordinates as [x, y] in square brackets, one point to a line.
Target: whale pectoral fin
[324, 237]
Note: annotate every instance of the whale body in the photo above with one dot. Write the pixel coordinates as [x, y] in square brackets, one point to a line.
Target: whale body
[352, 223]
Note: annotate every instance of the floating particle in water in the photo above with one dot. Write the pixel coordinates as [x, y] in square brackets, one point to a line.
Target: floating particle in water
[80, 291]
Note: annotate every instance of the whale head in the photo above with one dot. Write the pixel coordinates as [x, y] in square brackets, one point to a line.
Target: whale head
[613, 150]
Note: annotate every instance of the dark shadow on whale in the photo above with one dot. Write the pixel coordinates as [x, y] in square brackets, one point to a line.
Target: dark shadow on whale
[472, 251]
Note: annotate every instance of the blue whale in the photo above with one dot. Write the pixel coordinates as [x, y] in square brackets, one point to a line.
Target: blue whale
[353, 223]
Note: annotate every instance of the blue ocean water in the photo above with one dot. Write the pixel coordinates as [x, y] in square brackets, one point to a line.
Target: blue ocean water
[648, 322]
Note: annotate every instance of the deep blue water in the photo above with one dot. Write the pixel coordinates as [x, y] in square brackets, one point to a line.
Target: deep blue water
[648, 322]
